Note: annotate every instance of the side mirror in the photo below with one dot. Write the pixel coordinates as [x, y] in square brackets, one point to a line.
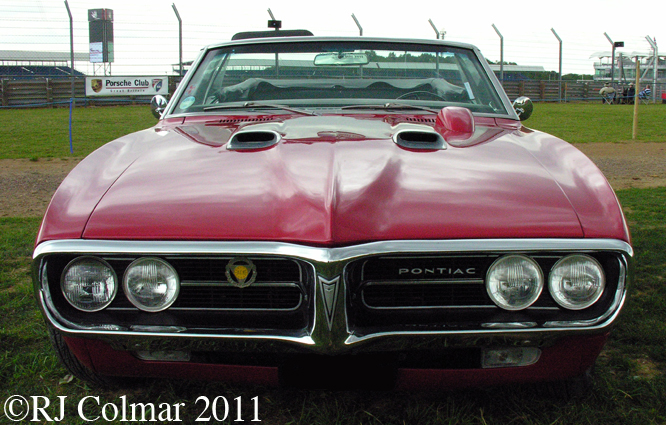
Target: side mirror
[523, 107]
[157, 105]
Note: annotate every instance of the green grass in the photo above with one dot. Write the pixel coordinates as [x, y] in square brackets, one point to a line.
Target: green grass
[594, 122]
[44, 133]
[630, 386]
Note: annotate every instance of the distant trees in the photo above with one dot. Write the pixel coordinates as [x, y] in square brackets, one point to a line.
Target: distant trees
[408, 57]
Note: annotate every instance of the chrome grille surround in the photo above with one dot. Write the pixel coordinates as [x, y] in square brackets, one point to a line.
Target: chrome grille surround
[329, 329]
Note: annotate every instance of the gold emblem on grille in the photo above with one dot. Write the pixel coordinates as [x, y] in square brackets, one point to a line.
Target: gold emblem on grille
[241, 272]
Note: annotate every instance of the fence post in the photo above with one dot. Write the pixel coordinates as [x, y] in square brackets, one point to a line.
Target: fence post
[585, 91]
[634, 128]
[5, 93]
[521, 88]
[542, 89]
[49, 92]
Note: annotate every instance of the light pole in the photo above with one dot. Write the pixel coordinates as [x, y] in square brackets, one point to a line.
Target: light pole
[655, 67]
[180, 40]
[432, 24]
[560, 73]
[71, 48]
[614, 44]
[501, 53]
[360, 28]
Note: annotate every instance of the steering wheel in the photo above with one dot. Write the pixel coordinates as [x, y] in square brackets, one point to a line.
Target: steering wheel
[421, 95]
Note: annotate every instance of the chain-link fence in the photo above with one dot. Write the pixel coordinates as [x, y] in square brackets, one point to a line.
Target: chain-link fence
[36, 34]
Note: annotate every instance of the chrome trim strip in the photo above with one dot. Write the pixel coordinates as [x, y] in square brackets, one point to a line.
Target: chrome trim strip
[425, 282]
[428, 307]
[249, 309]
[327, 255]
[518, 329]
[223, 284]
[182, 86]
[122, 332]
[515, 325]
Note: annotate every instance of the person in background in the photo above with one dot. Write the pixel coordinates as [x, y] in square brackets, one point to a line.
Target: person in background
[607, 94]
[645, 93]
[631, 93]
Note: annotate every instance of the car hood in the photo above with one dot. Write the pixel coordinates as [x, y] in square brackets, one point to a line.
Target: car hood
[335, 180]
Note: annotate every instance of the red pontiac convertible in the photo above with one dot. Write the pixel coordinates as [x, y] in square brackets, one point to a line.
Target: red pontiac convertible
[334, 211]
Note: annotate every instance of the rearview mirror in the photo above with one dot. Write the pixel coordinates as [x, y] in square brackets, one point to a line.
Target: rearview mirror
[341, 59]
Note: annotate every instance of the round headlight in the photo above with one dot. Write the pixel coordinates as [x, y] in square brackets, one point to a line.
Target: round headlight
[576, 281]
[514, 282]
[151, 284]
[89, 283]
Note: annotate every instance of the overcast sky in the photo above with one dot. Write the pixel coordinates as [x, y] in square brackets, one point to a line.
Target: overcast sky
[146, 31]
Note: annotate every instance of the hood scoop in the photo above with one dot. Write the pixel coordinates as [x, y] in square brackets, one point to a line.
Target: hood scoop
[253, 139]
[416, 138]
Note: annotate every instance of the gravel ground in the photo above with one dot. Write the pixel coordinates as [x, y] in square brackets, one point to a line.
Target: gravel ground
[27, 186]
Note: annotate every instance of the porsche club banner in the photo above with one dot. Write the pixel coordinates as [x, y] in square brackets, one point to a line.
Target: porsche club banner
[126, 86]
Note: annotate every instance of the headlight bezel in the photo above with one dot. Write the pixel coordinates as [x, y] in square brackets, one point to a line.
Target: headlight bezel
[555, 292]
[501, 302]
[135, 301]
[105, 264]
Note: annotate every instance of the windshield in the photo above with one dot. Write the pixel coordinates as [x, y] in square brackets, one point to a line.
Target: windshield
[333, 74]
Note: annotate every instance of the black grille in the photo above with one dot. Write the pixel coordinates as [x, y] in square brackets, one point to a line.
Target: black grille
[250, 298]
[423, 282]
[424, 295]
[277, 299]
[281, 284]
[214, 269]
[442, 292]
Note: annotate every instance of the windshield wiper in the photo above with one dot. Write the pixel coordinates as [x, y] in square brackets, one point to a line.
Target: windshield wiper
[392, 105]
[259, 105]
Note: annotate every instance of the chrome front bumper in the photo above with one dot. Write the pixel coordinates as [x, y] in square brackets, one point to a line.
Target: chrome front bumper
[330, 331]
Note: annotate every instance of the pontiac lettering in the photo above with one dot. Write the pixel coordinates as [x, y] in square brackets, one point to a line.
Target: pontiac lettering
[438, 271]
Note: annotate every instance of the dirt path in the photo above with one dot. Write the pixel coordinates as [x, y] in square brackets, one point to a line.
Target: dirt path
[27, 186]
[629, 165]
